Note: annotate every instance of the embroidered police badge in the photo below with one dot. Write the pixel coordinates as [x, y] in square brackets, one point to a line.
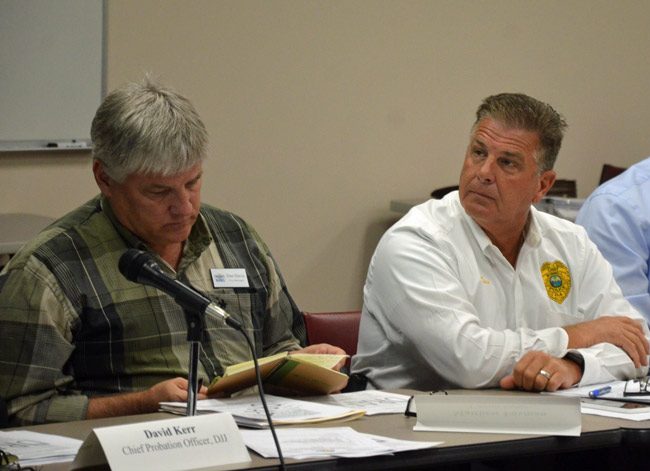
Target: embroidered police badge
[557, 280]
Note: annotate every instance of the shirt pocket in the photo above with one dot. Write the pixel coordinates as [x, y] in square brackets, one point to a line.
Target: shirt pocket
[242, 304]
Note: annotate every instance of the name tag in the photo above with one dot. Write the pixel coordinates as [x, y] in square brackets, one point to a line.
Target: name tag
[229, 278]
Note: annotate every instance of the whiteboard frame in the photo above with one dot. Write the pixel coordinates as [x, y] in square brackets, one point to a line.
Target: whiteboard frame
[77, 143]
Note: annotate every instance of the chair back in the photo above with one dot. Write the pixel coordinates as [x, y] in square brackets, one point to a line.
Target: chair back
[340, 329]
[439, 193]
[563, 188]
[610, 171]
[4, 415]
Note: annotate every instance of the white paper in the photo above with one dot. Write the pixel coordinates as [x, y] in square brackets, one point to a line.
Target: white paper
[617, 392]
[34, 448]
[618, 410]
[249, 412]
[606, 413]
[302, 443]
[603, 406]
[521, 414]
[372, 401]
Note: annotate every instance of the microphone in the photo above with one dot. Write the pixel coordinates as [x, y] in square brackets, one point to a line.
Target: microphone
[140, 267]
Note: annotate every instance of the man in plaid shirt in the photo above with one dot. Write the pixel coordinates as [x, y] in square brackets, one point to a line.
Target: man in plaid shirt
[78, 339]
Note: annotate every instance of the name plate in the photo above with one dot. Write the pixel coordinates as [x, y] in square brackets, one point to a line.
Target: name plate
[229, 278]
[521, 414]
[199, 441]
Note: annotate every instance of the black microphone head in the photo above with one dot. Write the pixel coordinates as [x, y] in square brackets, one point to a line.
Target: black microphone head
[131, 263]
[141, 267]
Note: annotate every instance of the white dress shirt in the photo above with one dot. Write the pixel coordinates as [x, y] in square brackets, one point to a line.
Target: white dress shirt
[444, 308]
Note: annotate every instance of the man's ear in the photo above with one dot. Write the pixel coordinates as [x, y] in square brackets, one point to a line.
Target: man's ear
[546, 181]
[104, 182]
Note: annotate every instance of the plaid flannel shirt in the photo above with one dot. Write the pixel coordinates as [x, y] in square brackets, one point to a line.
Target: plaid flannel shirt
[73, 327]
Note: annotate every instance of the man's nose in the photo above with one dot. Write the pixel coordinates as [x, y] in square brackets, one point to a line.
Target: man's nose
[485, 172]
[182, 204]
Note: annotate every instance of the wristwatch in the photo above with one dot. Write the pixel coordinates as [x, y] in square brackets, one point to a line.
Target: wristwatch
[576, 358]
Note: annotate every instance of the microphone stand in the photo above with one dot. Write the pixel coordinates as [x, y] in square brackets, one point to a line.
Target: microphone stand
[195, 328]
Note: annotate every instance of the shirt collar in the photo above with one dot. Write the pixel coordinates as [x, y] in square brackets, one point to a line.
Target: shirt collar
[532, 234]
[197, 242]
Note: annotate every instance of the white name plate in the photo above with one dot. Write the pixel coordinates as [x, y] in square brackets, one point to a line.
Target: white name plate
[522, 414]
[201, 441]
[229, 278]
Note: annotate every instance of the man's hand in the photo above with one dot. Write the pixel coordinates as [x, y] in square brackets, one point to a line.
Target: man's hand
[325, 349]
[528, 373]
[621, 331]
[141, 402]
[172, 390]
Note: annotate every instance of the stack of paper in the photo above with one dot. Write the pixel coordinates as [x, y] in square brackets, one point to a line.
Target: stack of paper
[373, 402]
[34, 449]
[248, 411]
[302, 443]
[622, 401]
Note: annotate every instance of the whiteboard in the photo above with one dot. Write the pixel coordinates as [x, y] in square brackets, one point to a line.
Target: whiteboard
[51, 72]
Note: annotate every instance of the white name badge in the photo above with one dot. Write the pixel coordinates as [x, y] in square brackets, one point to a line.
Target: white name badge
[501, 413]
[174, 444]
[229, 278]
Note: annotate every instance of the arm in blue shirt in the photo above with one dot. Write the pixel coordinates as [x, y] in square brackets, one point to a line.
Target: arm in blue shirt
[618, 222]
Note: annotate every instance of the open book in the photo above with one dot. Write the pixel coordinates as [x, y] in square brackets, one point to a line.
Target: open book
[286, 372]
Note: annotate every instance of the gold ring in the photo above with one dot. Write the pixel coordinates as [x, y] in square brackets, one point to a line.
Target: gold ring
[545, 374]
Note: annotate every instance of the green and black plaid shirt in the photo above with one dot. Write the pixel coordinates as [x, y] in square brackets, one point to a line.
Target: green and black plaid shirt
[71, 326]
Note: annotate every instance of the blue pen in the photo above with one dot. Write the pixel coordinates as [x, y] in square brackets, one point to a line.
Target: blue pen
[600, 392]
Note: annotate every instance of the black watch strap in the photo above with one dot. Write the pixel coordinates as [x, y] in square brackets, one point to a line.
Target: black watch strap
[576, 358]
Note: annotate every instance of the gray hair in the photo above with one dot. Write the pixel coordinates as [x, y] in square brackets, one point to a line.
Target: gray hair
[520, 111]
[147, 128]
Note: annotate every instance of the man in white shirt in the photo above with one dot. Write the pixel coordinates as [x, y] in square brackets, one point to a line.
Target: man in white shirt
[480, 289]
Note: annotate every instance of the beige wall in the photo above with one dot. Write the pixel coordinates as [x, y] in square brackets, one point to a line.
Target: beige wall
[320, 112]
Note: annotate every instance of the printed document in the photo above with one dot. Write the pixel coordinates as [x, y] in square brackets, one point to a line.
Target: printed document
[373, 402]
[623, 401]
[34, 448]
[248, 411]
[302, 443]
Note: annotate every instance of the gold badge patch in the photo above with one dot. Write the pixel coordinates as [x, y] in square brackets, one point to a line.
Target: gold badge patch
[557, 279]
